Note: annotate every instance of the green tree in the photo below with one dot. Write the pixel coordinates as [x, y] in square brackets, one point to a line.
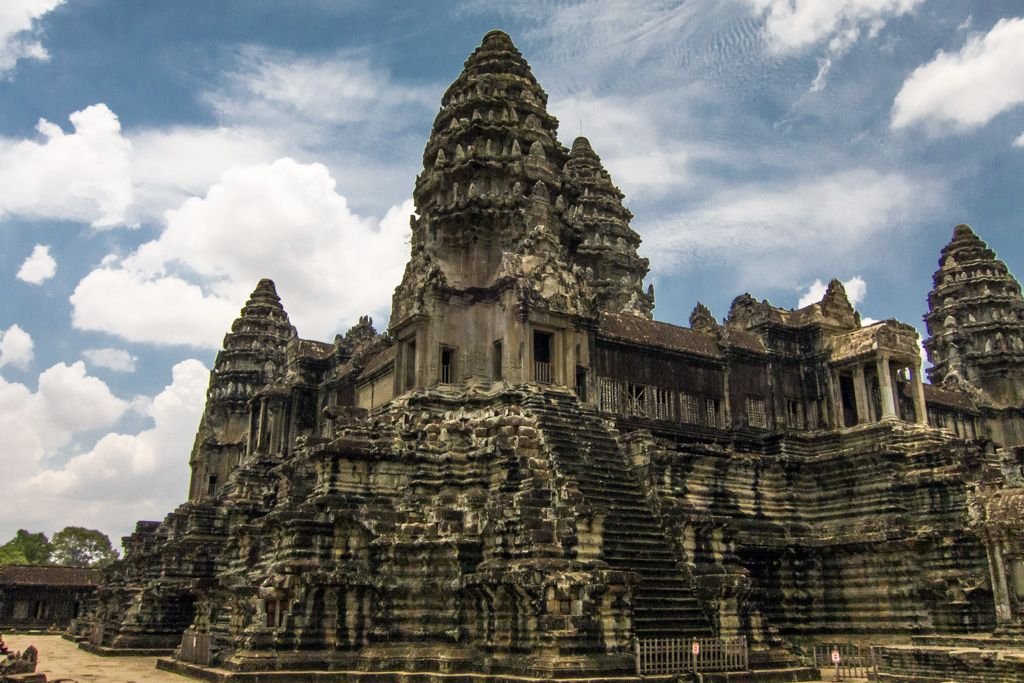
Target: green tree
[26, 548]
[80, 547]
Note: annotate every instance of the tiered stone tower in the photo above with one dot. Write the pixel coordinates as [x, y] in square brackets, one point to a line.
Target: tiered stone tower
[518, 241]
[976, 321]
[253, 353]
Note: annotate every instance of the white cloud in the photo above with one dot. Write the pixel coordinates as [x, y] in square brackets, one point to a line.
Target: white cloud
[855, 287]
[15, 347]
[1019, 142]
[171, 165]
[964, 90]
[80, 176]
[776, 234]
[66, 403]
[276, 89]
[792, 25]
[17, 38]
[628, 135]
[123, 477]
[117, 360]
[39, 267]
[284, 221]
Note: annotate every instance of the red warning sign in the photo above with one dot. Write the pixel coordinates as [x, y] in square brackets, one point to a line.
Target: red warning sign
[696, 648]
[835, 656]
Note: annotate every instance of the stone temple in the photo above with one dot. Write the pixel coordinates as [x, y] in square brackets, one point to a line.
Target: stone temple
[526, 475]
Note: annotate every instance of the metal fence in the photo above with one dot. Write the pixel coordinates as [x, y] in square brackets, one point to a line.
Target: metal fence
[676, 655]
[854, 662]
[195, 648]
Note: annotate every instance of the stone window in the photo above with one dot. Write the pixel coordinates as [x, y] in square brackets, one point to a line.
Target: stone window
[581, 383]
[713, 408]
[795, 413]
[496, 370]
[542, 357]
[636, 400]
[611, 396]
[447, 365]
[661, 404]
[757, 413]
[409, 362]
[211, 485]
[275, 612]
[690, 409]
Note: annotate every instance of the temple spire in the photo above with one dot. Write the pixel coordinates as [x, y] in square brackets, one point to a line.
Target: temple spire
[975, 319]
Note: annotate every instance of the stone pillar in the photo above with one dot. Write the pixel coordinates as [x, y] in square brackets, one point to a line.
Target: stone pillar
[860, 391]
[917, 386]
[997, 572]
[837, 400]
[885, 389]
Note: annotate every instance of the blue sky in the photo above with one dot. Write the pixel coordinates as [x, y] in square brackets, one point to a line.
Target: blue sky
[157, 159]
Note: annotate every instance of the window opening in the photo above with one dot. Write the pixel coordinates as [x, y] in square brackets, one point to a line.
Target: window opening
[447, 364]
[542, 365]
[496, 361]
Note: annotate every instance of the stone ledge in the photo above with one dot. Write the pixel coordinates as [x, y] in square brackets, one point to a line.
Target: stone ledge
[104, 651]
[214, 675]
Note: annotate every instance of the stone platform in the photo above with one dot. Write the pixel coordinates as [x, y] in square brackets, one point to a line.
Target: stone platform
[964, 659]
[62, 660]
[215, 675]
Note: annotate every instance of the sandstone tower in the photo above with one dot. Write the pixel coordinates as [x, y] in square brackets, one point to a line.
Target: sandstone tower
[528, 476]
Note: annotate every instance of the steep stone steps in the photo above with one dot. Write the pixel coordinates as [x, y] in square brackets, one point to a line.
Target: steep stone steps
[584, 451]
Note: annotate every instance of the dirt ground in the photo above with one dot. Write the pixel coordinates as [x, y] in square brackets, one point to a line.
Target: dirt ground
[61, 660]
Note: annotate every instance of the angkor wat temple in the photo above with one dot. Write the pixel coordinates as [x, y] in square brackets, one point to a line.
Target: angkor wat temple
[526, 475]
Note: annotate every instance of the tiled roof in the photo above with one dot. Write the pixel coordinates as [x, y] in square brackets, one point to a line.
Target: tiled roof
[643, 332]
[42, 575]
[378, 361]
[953, 399]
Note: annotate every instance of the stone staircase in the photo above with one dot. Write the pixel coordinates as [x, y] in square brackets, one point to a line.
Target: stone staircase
[584, 451]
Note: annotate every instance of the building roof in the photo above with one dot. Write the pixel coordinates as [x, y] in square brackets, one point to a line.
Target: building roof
[644, 332]
[45, 575]
[952, 399]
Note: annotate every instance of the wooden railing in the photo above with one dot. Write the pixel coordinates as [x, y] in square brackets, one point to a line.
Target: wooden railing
[195, 648]
[542, 372]
[676, 655]
[853, 661]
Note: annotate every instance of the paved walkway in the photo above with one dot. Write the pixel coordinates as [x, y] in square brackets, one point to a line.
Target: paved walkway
[60, 659]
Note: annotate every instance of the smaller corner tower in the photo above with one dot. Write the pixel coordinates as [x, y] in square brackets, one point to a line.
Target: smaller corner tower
[254, 352]
[975, 322]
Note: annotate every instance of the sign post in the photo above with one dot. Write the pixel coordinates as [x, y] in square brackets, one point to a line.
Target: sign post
[836, 659]
[696, 654]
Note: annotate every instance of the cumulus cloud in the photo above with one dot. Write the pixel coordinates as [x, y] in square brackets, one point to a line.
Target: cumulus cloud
[117, 360]
[18, 39]
[775, 234]
[856, 289]
[958, 91]
[1019, 142]
[170, 165]
[123, 477]
[282, 220]
[67, 402]
[791, 26]
[39, 267]
[79, 176]
[15, 347]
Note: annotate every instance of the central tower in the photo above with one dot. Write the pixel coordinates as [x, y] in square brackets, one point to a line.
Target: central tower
[510, 266]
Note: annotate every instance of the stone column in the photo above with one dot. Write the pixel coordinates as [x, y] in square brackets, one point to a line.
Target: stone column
[860, 392]
[917, 386]
[837, 400]
[885, 389]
